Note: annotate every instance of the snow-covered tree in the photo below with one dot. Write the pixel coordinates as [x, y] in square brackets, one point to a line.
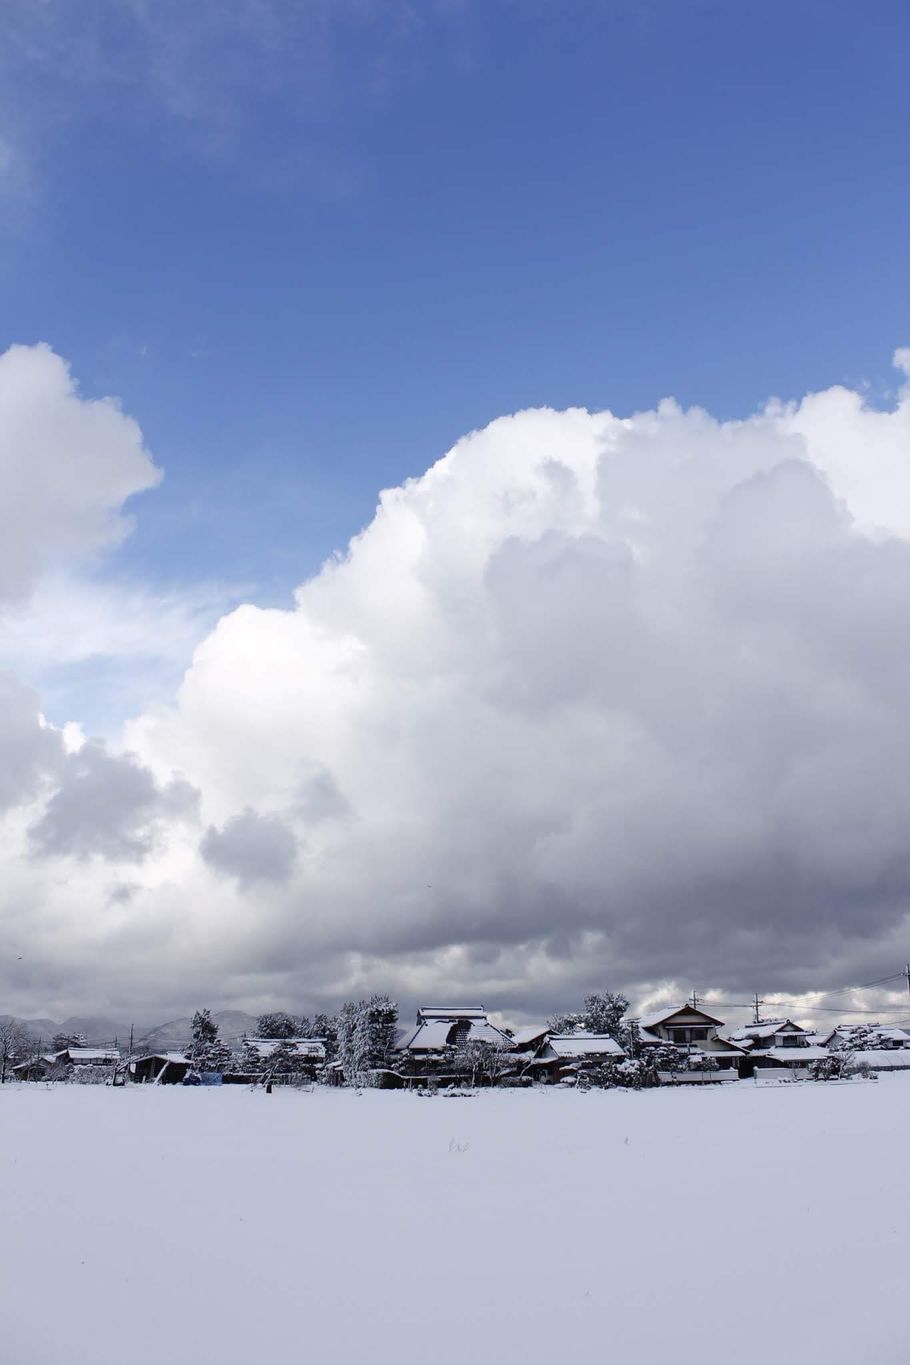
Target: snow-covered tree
[14, 1045]
[484, 1061]
[326, 1028]
[629, 1073]
[863, 1039]
[61, 1041]
[701, 1061]
[366, 1036]
[566, 1023]
[277, 1025]
[206, 1051]
[602, 1013]
[835, 1067]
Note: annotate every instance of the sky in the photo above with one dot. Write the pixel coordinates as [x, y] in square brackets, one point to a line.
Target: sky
[607, 687]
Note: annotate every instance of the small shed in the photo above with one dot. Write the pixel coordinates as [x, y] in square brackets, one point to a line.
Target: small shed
[160, 1068]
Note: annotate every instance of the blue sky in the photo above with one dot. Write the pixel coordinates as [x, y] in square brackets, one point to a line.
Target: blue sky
[308, 247]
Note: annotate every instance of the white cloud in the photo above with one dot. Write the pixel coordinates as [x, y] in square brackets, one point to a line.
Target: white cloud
[594, 701]
[67, 466]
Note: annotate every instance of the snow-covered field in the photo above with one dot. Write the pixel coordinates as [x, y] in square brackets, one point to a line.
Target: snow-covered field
[169, 1226]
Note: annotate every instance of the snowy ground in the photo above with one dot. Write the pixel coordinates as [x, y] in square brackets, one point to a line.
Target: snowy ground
[169, 1226]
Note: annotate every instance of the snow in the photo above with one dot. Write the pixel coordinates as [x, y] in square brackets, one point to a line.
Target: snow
[887, 1058]
[799, 1056]
[451, 1012]
[299, 1047]
[166, 1226]
[584, 1045]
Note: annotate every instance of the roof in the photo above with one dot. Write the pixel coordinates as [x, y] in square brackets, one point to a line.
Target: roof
[92, 1054]
[177, 1057]
[433, 1035]
[657, 1017]
[884, 1058]
[766, 1029]
[529, 1034]
[300, 1047]
[584, 1045]
[799, 1055]
[451, 1012]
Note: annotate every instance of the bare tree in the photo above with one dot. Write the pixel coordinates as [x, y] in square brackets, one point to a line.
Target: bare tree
[484, 1060]
[14, 1045]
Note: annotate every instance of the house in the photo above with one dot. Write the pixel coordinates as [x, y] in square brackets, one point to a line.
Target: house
[527, 1040]
[89, 1056]
[686, 1027]
[39, 1068]
[440, 1028]
[772, 1033]
[426, 1053]
[779, 1043]
[308, 1053]
[866, 1036]
[160, 1068]
[562, 1056]
[311, 1048]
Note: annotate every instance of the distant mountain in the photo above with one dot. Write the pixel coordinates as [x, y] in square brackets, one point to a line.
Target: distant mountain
[35, 1028]
[232, 1025]
[96, 1029]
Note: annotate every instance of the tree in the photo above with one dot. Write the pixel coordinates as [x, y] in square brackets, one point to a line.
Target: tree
[326, 1028]
[863, 1039]
[835, 1067]
[366, 1036]
[484, 1060]
[285, 1060]
[602, 1013]
[14, 1045]
[277, 1025]
[566, 1023]
[61, 1041]
[207, 1052]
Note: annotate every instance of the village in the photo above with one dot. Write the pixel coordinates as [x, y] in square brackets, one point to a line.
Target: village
[460, 1046]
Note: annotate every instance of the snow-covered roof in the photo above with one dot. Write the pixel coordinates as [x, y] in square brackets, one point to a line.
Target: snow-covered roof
[798, 1055]
[300, 1047]
[177, 1057]
[884, 1058]
[451, 1012]
[821, 1039]
[766, 1029]
[529, 1034]
[92, 1054]
[584, 1045]
[432, 1035]
[894, 1035]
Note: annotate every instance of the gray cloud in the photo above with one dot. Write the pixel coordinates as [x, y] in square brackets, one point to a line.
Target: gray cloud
[251, 847]
[29, 751]
[108, 805]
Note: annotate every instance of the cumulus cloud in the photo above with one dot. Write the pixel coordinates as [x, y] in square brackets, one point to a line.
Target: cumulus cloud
[596, 700]
[67, 465]
[251, 847]
[30, 751]
[108, 805]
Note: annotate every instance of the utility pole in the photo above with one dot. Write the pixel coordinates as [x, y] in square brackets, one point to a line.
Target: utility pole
[907, 975]
[756, 1012]
[695, 1000]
